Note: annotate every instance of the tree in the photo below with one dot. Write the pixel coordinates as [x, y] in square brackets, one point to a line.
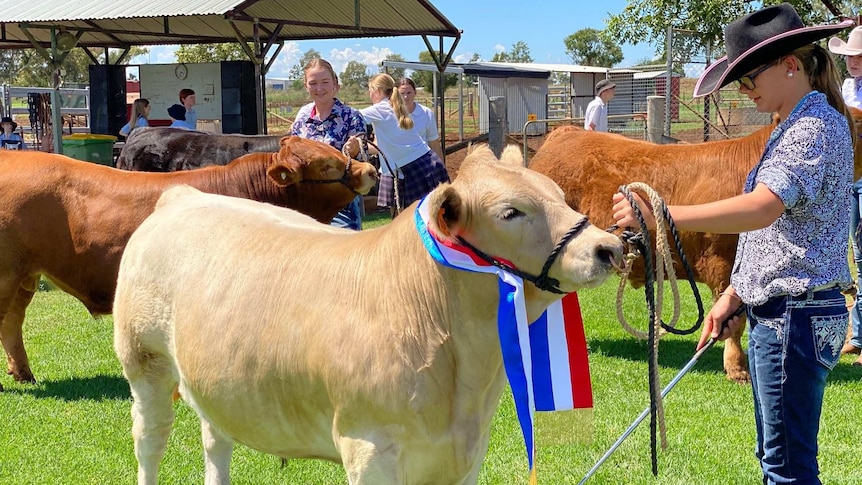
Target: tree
[520, 53]
[589, 47]
[26, 67]
[355, 74]
[195, 53]
[396, 72]
[297, 73]
[425, 79]
[648, 21]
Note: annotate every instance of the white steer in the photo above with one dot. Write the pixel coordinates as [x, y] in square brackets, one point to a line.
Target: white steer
[302, 340]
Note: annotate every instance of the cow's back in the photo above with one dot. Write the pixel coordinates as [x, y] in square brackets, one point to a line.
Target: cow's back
[591, 166]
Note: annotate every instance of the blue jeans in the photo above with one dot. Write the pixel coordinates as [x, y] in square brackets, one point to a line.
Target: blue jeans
[351, 216]
[793, 343]
[856, 313]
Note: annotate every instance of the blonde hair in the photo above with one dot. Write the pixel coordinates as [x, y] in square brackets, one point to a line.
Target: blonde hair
[318, 63]
[824, 76]
[385, 83]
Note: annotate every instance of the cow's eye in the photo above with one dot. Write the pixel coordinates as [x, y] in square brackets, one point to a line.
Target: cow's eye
[512, 213]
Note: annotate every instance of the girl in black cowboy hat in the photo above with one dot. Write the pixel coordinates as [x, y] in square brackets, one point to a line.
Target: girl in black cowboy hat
[8, 138]
[792, 221]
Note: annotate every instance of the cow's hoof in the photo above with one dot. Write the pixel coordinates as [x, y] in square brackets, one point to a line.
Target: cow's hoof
[25, 376]
[738, 375]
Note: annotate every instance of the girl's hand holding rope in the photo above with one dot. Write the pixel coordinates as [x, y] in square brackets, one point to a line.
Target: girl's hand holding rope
[723, 318]
[624, 215]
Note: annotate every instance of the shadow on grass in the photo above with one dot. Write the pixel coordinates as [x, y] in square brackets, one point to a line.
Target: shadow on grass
[677, 353]
[96, 388]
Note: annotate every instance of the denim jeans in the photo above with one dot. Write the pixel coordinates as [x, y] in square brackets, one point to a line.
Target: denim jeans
[793, 343]
[351, 216]
[856, 313]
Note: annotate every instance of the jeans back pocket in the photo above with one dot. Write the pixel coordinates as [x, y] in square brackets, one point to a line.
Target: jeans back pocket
[829, 333]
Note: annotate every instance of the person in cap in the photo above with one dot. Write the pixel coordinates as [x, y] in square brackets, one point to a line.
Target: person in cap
[177, 112]
[596, 117]
[852, 92]
[8, 138]
[792, 220]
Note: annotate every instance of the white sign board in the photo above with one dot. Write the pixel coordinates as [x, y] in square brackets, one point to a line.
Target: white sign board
[161, 84]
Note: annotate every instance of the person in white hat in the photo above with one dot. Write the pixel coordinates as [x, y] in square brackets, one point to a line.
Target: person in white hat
[852, 50]
[851, 90]
[791, 268]
[596, 117]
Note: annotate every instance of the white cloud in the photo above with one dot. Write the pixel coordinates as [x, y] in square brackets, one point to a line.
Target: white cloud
[286, 59]
[499, 48]
[372, 59]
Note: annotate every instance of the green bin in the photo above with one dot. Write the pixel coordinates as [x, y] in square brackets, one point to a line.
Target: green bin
[90, 148]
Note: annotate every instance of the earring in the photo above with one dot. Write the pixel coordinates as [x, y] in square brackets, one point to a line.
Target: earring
[790, 74]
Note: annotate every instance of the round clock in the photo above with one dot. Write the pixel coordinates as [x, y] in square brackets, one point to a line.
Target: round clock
[181, 71]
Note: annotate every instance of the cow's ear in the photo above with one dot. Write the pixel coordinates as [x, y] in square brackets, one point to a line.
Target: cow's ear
[447, 212]
[287, 167]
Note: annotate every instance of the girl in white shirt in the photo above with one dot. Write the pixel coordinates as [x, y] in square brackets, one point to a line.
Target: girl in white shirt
[404, 153]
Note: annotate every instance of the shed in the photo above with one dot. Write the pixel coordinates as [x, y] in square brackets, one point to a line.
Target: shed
[525, 88]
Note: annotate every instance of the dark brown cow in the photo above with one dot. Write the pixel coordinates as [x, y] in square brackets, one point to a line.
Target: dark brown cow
[163, 149]
[590, 166]
[71, 220]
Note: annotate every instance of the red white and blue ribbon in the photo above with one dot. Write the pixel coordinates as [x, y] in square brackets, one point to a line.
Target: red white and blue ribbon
[546, 360]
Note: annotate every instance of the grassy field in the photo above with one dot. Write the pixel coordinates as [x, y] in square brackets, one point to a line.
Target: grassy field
[73, 427]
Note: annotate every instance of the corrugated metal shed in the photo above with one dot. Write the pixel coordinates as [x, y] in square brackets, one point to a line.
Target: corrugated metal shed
[112, 23]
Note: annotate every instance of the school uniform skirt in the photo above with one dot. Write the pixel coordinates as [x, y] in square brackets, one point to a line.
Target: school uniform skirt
[420, 177]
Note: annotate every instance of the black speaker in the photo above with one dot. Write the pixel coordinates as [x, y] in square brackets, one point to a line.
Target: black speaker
[239, 108]
[107, 98]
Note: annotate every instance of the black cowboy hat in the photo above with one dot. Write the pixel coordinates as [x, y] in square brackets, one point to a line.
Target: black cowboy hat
[757, 38]
[7, 119]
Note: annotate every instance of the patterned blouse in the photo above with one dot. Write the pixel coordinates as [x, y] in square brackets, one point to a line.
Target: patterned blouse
[342, 123]
[808, 163]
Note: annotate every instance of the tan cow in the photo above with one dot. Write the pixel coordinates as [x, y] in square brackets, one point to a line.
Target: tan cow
[302, 340]
[590, 167]
[70, 220]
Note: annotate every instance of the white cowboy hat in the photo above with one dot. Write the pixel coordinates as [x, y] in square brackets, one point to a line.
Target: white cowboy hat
[853, 46]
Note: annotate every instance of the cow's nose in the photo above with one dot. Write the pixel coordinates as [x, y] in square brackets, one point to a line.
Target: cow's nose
[611, 253]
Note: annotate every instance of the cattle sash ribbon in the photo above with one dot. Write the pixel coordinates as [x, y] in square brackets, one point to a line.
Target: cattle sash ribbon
[546, 360]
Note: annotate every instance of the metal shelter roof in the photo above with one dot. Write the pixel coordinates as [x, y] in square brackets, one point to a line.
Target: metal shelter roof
[113, 23]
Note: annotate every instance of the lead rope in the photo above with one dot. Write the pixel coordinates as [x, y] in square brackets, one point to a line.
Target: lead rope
[363, 153]
[657, 329]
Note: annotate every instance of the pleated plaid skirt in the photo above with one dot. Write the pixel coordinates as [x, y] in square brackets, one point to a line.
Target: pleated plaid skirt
[420, 177]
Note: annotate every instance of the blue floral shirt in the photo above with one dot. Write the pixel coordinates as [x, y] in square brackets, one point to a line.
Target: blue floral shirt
[342, 123]
[808, 164]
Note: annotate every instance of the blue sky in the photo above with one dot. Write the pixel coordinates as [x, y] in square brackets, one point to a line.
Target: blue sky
[488, 27]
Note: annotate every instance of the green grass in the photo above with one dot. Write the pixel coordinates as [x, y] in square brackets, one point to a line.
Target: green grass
[73, 427]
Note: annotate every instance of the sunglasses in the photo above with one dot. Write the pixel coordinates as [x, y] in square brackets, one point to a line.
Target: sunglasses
[748, 79]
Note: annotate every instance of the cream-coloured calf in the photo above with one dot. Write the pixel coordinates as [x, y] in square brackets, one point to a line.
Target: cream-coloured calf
[301, 340]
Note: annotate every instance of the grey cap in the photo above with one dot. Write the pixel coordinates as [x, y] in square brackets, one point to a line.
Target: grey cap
[604, 85]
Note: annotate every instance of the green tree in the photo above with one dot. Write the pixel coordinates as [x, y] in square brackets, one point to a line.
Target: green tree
[425, 79]
[297, 72]
[355, 74]
[196, 53]
[396, 72]
[520, 53]
[27, 67]
[590, 47]
[648, 20]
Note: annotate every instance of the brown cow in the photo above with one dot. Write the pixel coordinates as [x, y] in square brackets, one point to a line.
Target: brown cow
[70, 220]
[590, 166]
[164, 149]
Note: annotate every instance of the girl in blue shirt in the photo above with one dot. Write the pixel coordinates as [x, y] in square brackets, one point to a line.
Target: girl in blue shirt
[140, 113]
[8, 138]
[792, 220]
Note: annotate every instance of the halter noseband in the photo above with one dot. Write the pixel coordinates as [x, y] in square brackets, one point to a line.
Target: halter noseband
[343, 180]
[543, 281]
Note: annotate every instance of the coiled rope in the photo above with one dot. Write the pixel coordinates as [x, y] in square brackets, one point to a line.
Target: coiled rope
[363, 153]
[654, 293]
